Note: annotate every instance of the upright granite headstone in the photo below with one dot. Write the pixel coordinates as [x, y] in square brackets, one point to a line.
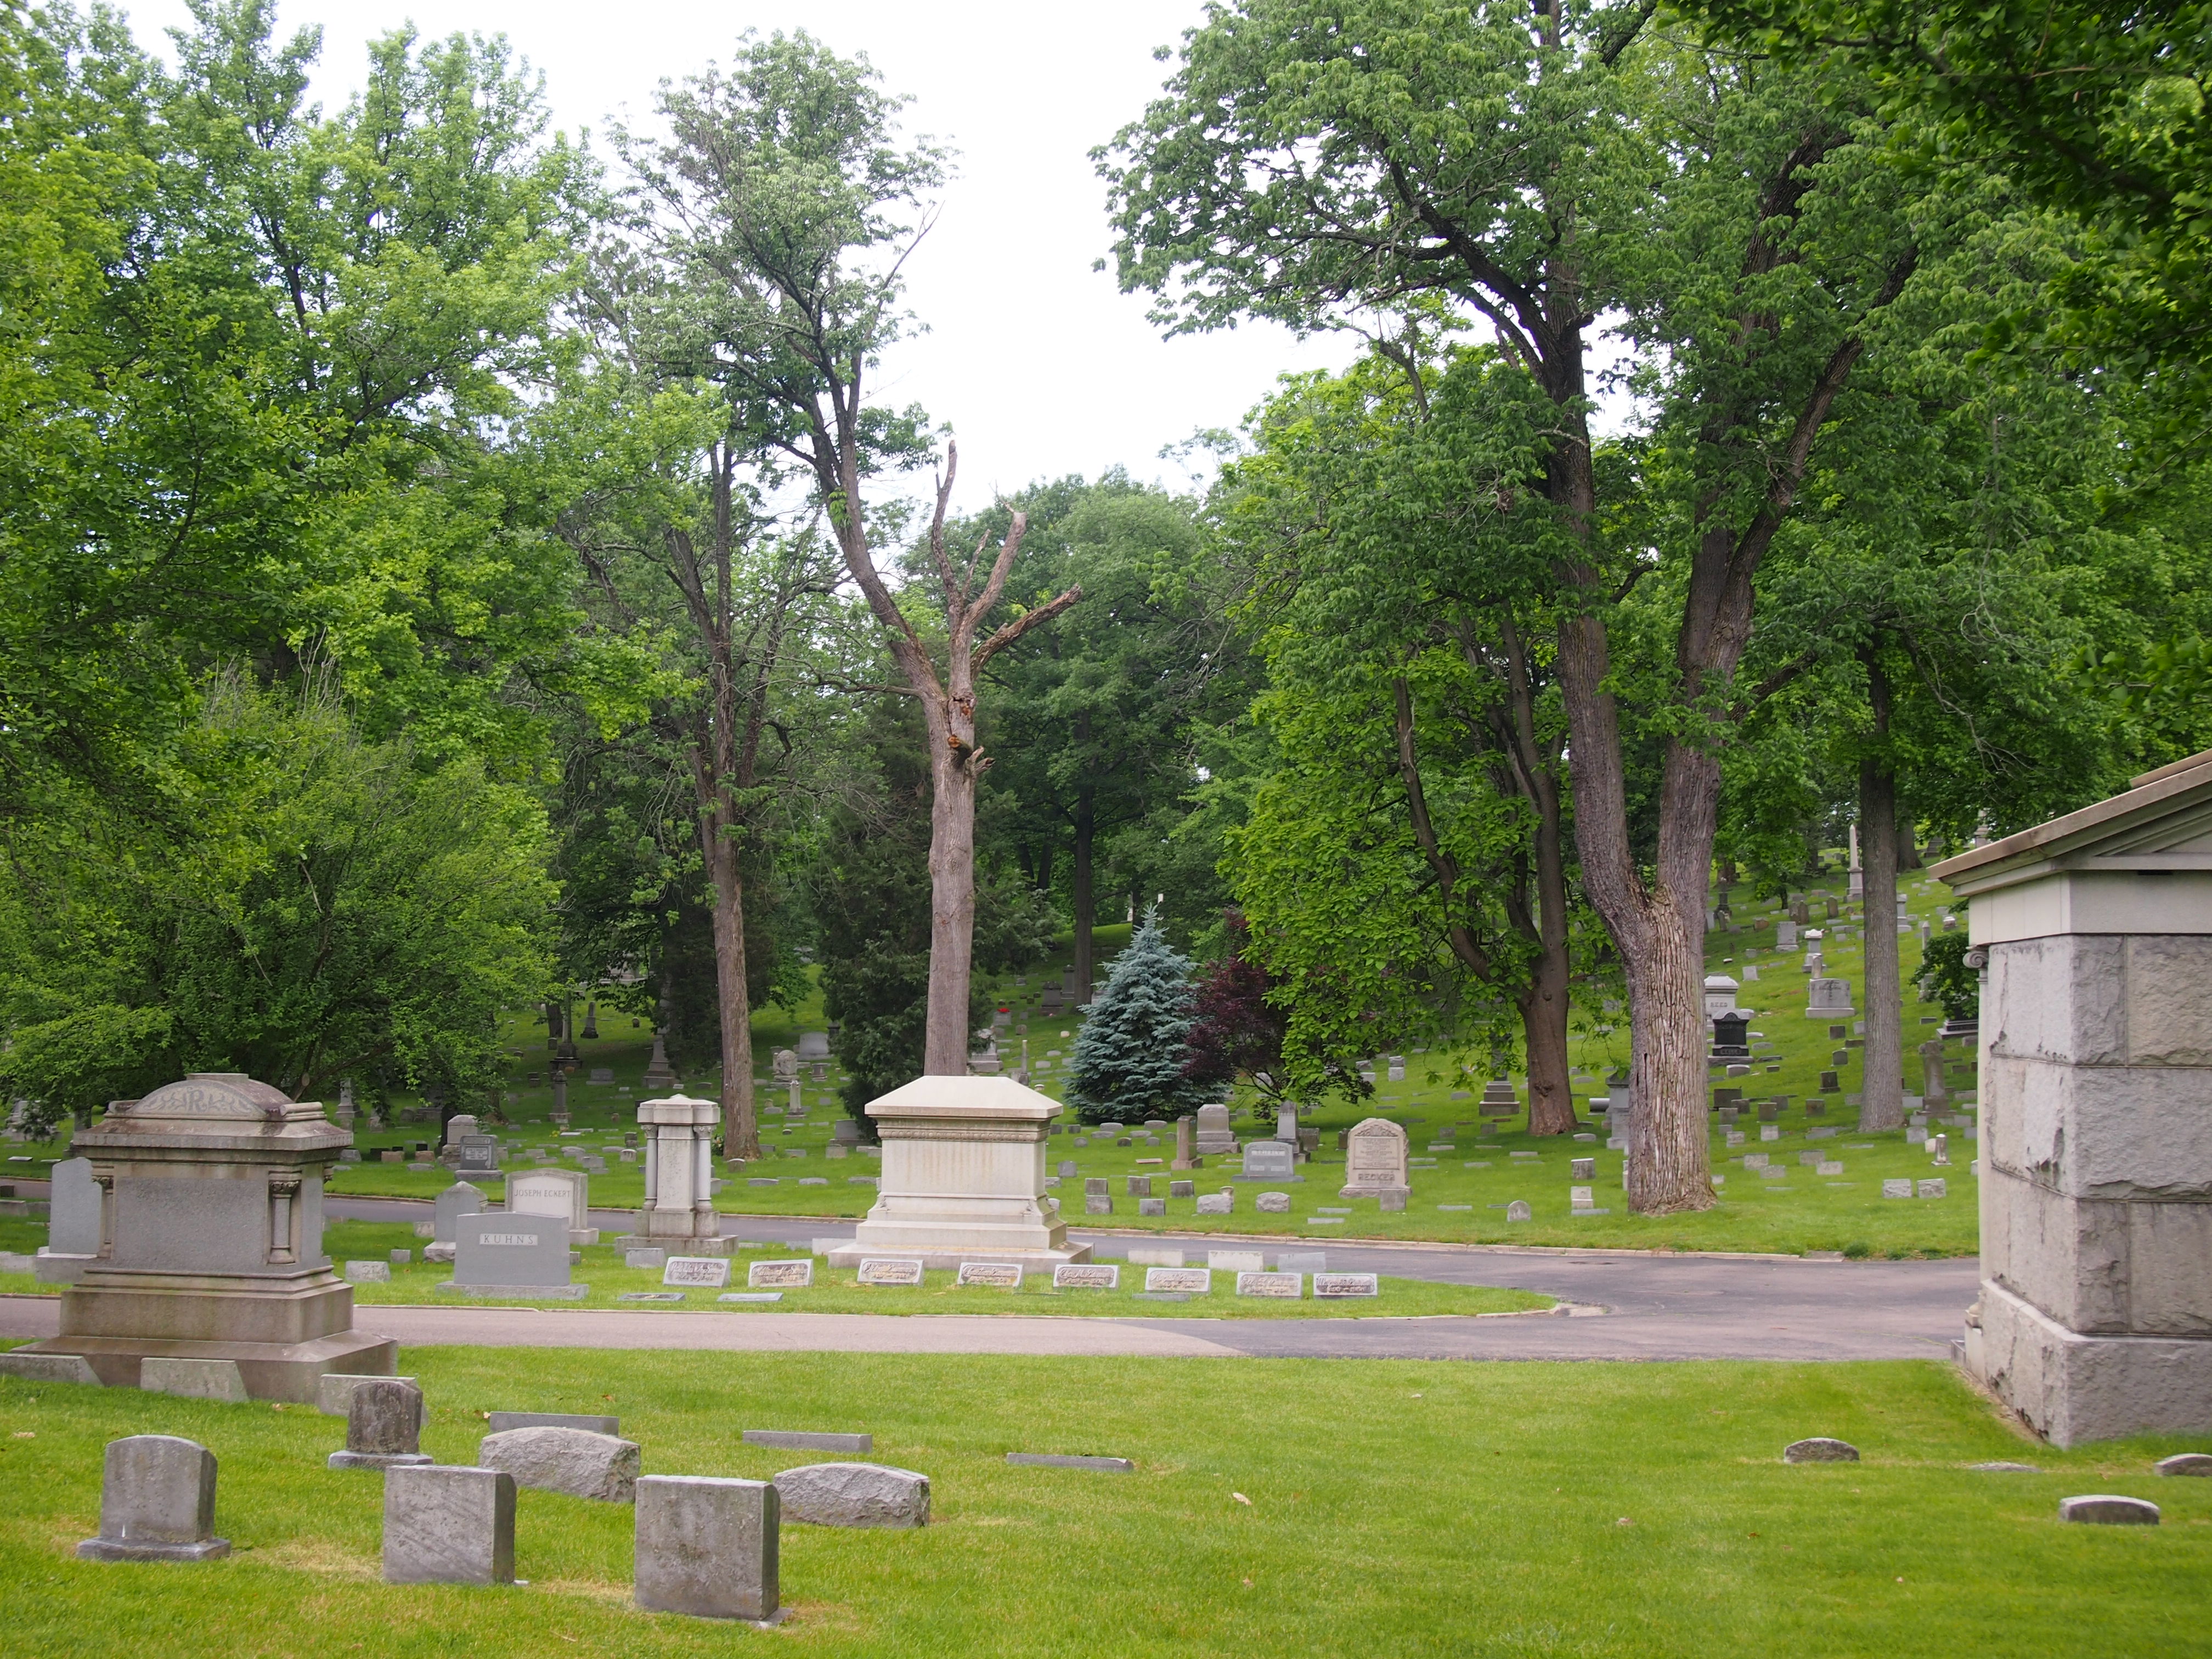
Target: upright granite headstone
[449, 1206]
[1828, 999]
[564, 1193]
[384, 1426]
[1269, 1160]
[156, 1503]
[512, 1253]
[72, 1223]
[1376, 1161]
[1215, 1137]
[708, 1546]
[446, 1524]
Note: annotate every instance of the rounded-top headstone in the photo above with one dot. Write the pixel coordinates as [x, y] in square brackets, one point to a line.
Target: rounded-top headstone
[385, 1416]
[2184, 1463]
[1819, 1450]
[2108, 1509]
[853, 1495]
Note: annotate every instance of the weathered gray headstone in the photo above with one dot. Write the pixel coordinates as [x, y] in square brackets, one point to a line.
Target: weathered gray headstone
[853, 1495]
[448, 1525]
[647, 1256]
[1214, 1134]
[1518, 1209]
[2184, 1463]
[809, 1440]
[384, 1426]
[1273, 1203]
[992, 1275]
[1180, 1281]
[786, 1275]
[1059, 1461]
[1330, 1286]
[572, 1460]
[501, 1422]
[368, 1272]
[708, 1546]
[458, 1199]
[709, 1273]
[1216, 1203]
[2108, 1509]
[156, 1503]
[1819, 1450]
[1291, 1286]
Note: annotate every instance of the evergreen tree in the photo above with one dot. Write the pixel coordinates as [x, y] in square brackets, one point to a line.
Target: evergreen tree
[1129, 1057]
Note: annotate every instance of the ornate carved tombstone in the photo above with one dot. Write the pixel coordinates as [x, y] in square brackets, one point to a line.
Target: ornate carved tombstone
[679, 1168]
[210, 1242]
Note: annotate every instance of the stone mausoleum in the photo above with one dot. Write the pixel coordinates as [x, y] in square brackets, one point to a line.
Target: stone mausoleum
[2095, 935]
[210, 1242]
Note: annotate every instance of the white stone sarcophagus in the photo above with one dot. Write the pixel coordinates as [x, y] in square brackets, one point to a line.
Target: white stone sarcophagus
[963, 1177]
[2094, 936]
[210, 1242]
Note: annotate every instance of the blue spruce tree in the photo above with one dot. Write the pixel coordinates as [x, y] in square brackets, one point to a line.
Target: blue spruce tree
[1129, 1058]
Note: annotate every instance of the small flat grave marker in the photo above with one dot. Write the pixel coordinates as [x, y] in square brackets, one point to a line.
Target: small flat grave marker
[1186, 1281]
[784, 1275]
[993, 1275]
[1054, 1461]
[1086, 1276]
[709, 1272]
[890, 1270]
[1332, 1287]
[1288, 1286]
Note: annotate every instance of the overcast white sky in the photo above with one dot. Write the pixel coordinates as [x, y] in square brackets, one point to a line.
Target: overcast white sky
[1041, 366]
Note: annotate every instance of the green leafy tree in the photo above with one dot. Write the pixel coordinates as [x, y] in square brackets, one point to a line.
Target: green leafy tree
[1130, 1056]
[1310, 160]
[783, 197]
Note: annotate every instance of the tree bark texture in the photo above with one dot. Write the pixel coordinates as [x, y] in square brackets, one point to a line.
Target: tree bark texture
[1881, 1099]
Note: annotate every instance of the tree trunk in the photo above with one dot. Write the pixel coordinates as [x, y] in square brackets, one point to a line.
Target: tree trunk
[1084, 891]
[1881, 1103]
[1657, 926]
[951, 882]
[732, 1000]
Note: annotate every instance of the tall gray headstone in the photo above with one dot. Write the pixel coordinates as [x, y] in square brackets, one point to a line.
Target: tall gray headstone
[156, 1503]
[73, 1227]
[457, 1201]
[1374, 1160]
[444, 1524]
[708, 1546]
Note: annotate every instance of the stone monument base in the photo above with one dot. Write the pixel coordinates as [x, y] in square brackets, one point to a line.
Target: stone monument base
[963, 1177]
[2072, 1387]
[272, 1371]
[109, 1549]
[513, 1292]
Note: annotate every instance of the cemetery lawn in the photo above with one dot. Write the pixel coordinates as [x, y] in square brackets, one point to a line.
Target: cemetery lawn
[1308, 1507]
[836, 1290]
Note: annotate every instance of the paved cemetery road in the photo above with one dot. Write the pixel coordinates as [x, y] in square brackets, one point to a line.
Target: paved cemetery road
[1649, 1307]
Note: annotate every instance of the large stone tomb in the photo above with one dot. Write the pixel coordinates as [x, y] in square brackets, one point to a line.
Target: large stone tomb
[963, 1177]
[2095, 934]
[210, 1242]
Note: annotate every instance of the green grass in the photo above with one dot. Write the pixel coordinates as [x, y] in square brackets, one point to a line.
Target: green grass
[836, 1290]
[1395, 1508]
